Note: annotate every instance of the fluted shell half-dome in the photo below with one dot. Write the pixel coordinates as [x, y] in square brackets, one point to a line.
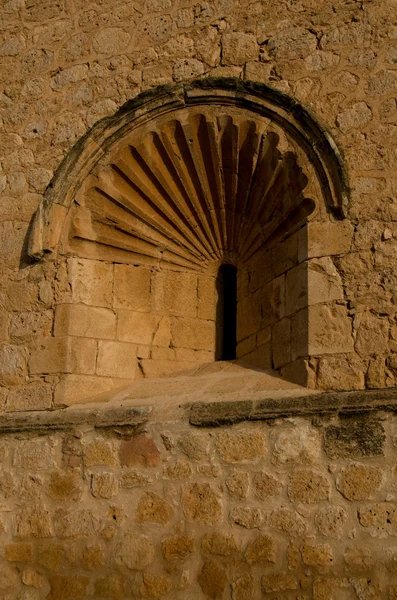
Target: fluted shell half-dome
[199, 184]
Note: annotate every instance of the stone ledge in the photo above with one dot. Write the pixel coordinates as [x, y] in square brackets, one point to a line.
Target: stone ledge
[200, 414]
[215, 414]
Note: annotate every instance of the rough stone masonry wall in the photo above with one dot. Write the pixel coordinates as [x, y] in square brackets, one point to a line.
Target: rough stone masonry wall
[294, 509]
[65, 64]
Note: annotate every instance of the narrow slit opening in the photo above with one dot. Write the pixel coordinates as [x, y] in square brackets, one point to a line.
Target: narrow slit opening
[226, 314]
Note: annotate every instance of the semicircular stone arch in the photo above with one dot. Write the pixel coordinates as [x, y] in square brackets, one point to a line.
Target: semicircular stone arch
[147, 208]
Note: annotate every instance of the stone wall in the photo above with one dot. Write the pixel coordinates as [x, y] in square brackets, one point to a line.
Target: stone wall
[131, 506]
[65, 65]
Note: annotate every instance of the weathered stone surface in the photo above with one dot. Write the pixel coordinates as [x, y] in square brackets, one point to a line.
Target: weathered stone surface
[317, 555]
[379, 520]
[359, 481]
[104, 485]
[238, 484]
[356, 439]
[33, 521]
[153, 509]
[202, 504]
[212, 580]
[238, 48]
[266, 485]
[18, 552]
[248, 517]
[178, 547]
[155, 586]
[279, 582]
[308, 487]
[219, 544]
[63, 586]
[139, 451]
[99, 452]
[261, 550]
[330, 521]
[239, 447]
[134, 551]
[296, 446]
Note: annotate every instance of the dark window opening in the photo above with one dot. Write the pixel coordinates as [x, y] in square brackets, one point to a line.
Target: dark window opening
[226, 313]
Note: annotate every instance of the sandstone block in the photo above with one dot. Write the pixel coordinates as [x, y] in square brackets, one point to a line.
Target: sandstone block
[187, 68]
[193, 333]
[132, 287]
[34, 455]
[297, 446]
[178, 547]
[140, 451]
[31, 397]
[330, 521]
[258, 71]
[178, 470]
[104, 485]
[85, 321]
[238, 48]
[111, 41]
[66, 586]
[281, 343]
[359, 482]
[327, 238]
[356, 116]
[98, 453]
[238, 485]
[287, 521]
[279, 582]
[317, 555]
[33, 521]
[50, 555]
[91, 281]
[379, 520]
[13, 369]
[64, 485]
[155, 586]
[248, 517]
[243, 588]
[372, 334]
[131, 478]
[138, 327]
[92, 556]
[308, 487]
[266, 485]
[242, 446]
[202, 504]
[261, 550]
[116, 359]
[212, 580]
[134, 551]
[207, 297]
[153, 509]
[341, 373]
[292, 43]
[175, 293]
[32, 578]
[219, 544]
[111, 586]
[74, 524]
[73, 389]
[63, 355]
[354, 439]
[18, 552]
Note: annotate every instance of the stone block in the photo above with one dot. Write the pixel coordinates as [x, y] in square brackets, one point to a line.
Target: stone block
[239, 48]
[287, 521]
[84, 321]
[100, 453]
[18, 552]
[243, 587]
[218, 543]
[246, 516]
[32, 397]
[234, 447]
[33, 521]
[281, 343]
[279, 582]
[372, 334]
[325, 238]
[341, 373]
[178, 470]
[213, 580]
[266, 485]
[296, 446]
[153, 509]
[207, 298]
[261, 550]
[193, 333]
[140, 451]
[202, 504]
[64, 485]
[13, 367]
[92, 556]
[104, 485]
[140, 328]
[238, 485]
[330, 521]
[317, 555]
[134, 551]
[25, 325]
[175, 293]
[285, 254]
[177, 547]
[359, 482]
[64, 587]
[308, 487]
[355, 439]
[132, 287]
[321, 329]
[63, 355]
[379, 520]
[91, 281]
[116, 359]
[73, 389]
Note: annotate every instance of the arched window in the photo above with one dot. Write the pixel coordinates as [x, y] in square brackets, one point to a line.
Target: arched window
[190, 228]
